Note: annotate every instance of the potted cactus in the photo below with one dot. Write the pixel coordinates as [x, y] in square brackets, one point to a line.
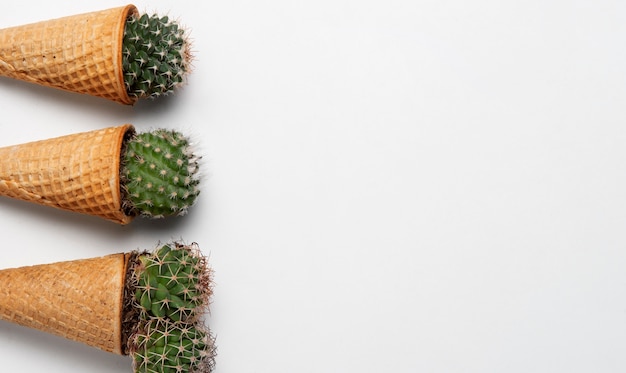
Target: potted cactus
[114, 173]
[144, 304]
[118, 54]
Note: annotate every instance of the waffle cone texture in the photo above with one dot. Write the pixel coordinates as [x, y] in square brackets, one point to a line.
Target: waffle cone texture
[78, 172]
[80, 53]
[81, 300]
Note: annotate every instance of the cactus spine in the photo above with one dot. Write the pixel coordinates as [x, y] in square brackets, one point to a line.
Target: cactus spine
[159, 174]
[155, 56]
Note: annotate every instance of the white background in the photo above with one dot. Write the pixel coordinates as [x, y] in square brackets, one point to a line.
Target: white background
[388, 186]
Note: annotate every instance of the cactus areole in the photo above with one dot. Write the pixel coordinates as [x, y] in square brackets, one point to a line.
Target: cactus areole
[155, 56]
[158, 174]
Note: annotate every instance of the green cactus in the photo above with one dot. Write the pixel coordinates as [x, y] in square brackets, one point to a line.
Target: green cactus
[155, 57]
[162, 346]
[173, 283]
[159, 174]
[171, 288]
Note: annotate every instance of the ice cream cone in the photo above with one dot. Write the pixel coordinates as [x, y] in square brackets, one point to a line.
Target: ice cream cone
[80, 53]
[81, 300]
[78, 172]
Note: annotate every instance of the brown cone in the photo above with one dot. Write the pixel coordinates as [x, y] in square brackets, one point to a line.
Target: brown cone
[79, 172]
[80, 300]
[80, 53]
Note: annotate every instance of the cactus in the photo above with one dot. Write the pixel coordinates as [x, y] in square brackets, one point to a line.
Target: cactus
[173, 282]
[170, 286]
[159, 174]
[155, 56]
[162, 346]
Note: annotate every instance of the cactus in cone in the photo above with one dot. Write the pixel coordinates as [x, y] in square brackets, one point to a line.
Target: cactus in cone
[159, 173]
[113, 173]
[117, 53]
[102, 302]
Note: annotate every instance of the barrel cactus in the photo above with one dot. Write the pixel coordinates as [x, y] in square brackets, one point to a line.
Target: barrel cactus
[171, 287]
[162, 346]
[155, 56]
[172, 282]
[159, 174]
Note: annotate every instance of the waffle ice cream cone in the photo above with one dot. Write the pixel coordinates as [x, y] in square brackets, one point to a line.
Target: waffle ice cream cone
[81, 300]
[78, 172]
[80, 53]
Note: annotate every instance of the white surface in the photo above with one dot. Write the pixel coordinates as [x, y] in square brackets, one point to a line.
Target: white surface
[390, 186]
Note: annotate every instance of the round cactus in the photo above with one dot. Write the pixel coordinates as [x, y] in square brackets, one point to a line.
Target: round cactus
[169, 288]
[155, 57]
[173, 283]
[159, 174]
[162, 346]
